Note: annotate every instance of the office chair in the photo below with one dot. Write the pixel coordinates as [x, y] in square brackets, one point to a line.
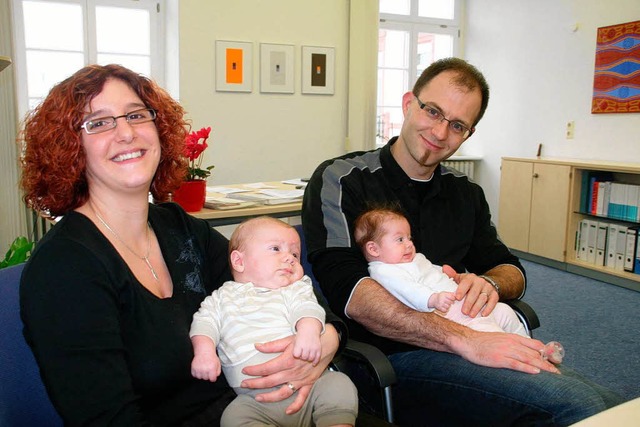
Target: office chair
[366, 365]
[23, 399]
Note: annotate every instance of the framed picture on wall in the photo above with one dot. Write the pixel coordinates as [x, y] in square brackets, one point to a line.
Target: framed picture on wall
[276, 68]
[234, 66]
[615, 81]
[318, 70]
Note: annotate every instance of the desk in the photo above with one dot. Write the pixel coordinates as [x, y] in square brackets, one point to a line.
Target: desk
[624, 415]
[218, 217]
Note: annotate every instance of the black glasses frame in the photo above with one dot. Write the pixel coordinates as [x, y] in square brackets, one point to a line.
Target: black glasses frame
[437, 115]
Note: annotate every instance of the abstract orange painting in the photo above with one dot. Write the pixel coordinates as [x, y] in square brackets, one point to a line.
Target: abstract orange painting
[234, 66]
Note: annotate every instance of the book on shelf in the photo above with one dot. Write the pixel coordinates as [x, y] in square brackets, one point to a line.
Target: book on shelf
[621, 246]
[603, 207]
[610, 245]
[636, 258]
[583, 231]
[631, 204]
[617, 198]
[592, 233]
[589, 186]
[612, 239]
[601, 196]
[630, 249]
[601, 243]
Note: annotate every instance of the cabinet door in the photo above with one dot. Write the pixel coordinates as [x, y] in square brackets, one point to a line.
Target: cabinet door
[549, 210]
[515, 204]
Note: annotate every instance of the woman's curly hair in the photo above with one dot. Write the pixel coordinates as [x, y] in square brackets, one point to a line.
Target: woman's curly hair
[53, 159]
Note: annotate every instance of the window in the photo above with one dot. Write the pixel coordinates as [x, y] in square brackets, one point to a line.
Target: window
[412, 34]
[55, 38]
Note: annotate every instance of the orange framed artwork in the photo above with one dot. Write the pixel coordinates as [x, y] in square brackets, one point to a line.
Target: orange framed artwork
[616, 82]
[234, 65]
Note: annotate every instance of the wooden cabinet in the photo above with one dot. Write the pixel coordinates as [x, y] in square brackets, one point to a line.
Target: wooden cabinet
[534, 205]
[540, 211]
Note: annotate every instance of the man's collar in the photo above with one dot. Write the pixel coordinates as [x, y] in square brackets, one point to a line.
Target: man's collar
[397, 177]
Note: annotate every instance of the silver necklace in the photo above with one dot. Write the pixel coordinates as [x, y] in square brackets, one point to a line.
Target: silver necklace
[145, 258]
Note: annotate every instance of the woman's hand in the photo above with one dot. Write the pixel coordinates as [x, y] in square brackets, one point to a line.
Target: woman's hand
[288, 372]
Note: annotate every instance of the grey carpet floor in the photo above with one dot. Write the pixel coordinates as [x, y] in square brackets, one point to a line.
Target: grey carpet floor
[598, 324]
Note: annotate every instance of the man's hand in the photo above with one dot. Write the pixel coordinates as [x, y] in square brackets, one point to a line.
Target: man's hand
[503, 350]
[479, 295]
[286, 369]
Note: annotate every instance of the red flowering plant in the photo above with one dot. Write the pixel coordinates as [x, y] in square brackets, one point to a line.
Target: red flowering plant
[195, 144]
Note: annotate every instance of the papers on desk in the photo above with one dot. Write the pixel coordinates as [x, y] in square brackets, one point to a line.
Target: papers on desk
[298, 182]
[258, 185]
[270, 197]
[225, 203]
[244, 195]
[225, 190]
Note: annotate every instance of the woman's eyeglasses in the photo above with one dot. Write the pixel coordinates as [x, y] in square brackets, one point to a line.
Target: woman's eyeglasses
[103, 124]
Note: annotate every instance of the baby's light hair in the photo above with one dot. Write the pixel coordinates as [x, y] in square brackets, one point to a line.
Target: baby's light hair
[243, 232]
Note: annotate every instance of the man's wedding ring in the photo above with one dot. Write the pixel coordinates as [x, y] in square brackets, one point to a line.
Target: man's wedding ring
[292, 387]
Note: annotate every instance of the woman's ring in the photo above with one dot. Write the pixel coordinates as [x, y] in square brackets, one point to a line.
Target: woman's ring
[292, 387]
[485, 294]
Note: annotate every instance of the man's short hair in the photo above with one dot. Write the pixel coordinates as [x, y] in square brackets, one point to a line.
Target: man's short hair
[467, 76]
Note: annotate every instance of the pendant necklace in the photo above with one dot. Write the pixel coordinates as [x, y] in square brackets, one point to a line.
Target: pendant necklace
[145, 258]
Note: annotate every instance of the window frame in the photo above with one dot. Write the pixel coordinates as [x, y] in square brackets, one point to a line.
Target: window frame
[414, 25]
[156, 39]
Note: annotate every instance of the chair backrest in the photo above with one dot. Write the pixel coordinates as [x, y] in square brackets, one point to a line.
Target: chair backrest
[306, 265]
[23, 399]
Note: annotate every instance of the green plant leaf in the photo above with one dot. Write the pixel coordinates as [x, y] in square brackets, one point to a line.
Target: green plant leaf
[18, 252]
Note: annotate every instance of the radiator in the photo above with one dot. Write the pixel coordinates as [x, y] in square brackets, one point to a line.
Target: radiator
[464, 166]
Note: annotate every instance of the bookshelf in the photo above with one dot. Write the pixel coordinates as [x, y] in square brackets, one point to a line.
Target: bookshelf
[556, 210]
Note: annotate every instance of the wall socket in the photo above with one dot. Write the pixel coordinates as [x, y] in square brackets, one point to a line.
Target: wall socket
[571, 127]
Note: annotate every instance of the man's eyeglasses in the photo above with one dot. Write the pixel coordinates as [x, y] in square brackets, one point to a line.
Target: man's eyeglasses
[455, 127]
[103, 124]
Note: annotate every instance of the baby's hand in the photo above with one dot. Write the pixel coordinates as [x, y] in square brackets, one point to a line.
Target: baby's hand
[442, 301]
[307, 349]
[553, 352]
[206, 367]
[307, 342]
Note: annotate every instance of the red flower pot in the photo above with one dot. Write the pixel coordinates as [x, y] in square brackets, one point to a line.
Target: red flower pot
[191, 195]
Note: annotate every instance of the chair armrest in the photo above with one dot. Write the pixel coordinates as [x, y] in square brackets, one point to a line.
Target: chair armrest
[526, 312]
[373, 376]
[375, 359]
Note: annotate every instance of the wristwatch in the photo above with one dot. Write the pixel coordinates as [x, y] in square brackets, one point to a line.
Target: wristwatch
[492, 283]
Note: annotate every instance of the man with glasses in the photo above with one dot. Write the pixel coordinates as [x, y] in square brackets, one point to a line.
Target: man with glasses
[446, 372]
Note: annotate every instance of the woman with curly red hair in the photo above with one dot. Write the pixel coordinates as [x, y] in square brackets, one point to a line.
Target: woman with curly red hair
[108, 295]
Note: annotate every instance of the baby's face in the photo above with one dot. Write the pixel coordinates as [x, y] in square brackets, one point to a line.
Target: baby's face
[396, 245]
[271, 257]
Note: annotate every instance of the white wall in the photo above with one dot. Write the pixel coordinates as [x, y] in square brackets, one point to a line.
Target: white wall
[258, 136]
[541, 75]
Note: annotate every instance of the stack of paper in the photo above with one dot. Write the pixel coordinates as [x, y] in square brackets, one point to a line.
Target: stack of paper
[270, 197]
